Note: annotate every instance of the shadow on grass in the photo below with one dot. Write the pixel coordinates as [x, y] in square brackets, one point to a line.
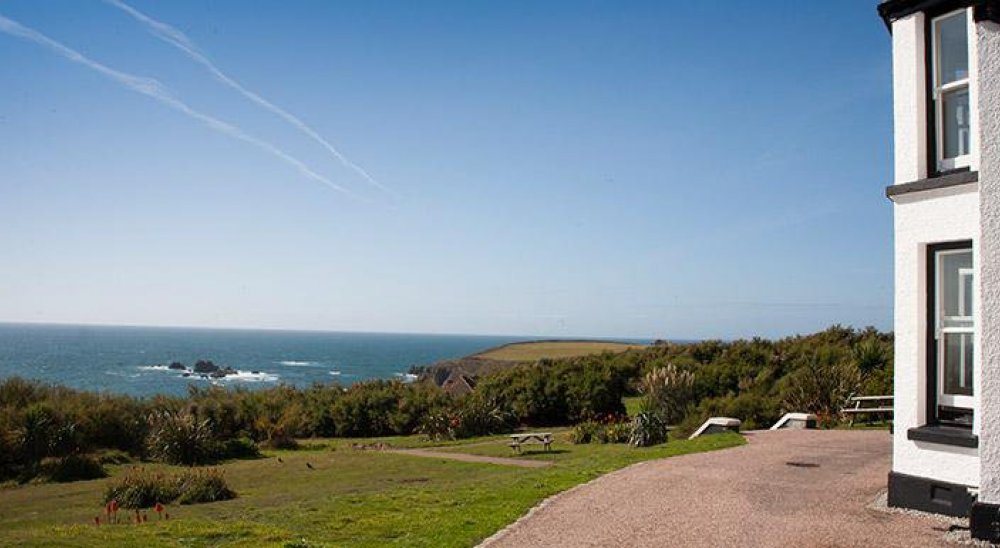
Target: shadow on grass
[531, 452]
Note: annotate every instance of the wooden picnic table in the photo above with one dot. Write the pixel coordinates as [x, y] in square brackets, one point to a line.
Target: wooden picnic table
[544, 438]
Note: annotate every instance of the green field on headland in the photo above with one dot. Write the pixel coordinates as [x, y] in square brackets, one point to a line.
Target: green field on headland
[537, 350]
[330, 494]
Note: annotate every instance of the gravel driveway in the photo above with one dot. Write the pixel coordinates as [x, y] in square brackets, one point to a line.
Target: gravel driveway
[785, 488]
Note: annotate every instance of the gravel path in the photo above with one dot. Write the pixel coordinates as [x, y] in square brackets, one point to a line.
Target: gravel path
[464, 457]
[785, 488]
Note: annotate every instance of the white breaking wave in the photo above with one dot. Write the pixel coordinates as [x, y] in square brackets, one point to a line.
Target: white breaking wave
[294, 363]
[249, 376]
[152, 88]
[407, 377]
[336, 373]
[239, 376]
[153, 368]
[179, 40]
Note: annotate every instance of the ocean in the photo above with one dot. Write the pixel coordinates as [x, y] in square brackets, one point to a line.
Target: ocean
[134, 360]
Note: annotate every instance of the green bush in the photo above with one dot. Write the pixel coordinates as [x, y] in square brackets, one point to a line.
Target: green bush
[823, 384]
[567, 391]
[384, 408]
[585, 432]
[197, 486]
[439, 426]
[139, 488]
[73, 468]
[181, 438]
[648, 429]
[600, 432]
[618, 432]
[113, 456]
[239, 448]
[480, 415]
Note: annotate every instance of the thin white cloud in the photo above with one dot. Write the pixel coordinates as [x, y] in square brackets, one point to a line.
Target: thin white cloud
[154, 89]
[179, 40]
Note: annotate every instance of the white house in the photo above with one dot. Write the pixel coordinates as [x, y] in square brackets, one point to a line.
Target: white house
[946, 205]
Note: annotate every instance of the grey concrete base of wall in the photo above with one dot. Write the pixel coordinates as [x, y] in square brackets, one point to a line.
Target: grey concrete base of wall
[795, 421]
[984, 522]
[717, 425]
[928, 495]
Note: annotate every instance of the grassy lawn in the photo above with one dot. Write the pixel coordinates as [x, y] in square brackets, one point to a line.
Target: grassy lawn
[349, 498]
[599, 458]
[533, 351]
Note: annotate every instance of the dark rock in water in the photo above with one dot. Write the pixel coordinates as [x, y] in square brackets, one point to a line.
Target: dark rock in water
[255, 372]
[205, 366]
[176, 365]
[222, 373]
[186, 374]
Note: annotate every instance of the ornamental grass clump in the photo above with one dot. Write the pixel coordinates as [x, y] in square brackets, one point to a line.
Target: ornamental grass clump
[648, 429]
[139, 488]
[181, 438]
[667, 392]
[206, 485]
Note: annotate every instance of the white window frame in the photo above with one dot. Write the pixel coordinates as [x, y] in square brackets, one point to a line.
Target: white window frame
[953, 400]
[938, 91]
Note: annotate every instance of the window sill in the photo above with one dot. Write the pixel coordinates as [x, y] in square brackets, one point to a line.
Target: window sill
[933, 183]
[944, 435]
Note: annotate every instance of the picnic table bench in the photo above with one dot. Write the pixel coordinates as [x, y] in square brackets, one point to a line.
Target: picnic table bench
[868, 405]
[544, 438]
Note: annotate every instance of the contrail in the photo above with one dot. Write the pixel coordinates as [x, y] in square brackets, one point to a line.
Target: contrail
[179, 40]
[154, 89]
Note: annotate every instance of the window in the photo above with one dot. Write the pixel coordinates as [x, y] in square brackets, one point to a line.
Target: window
[954, 333]
[950, 90]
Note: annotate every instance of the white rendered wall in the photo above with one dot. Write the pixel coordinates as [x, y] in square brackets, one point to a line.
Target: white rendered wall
[923, 218]
[909, 99]
[988, 53]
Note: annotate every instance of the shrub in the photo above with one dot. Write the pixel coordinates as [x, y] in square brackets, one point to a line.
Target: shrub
[180, 438]
[113, 456]
[618, 432]
[597, 432]
[480, 415]
[74, 468]
[585, 432]
[823, 384]
[113, 422]
[648, 429]
[439, 426]
[239, 448]
[567, 391]
[667, 392]
[383, 408]
[141, 489]
[197, 486]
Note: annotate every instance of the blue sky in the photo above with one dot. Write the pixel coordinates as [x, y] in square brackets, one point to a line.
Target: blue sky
[621, 169]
